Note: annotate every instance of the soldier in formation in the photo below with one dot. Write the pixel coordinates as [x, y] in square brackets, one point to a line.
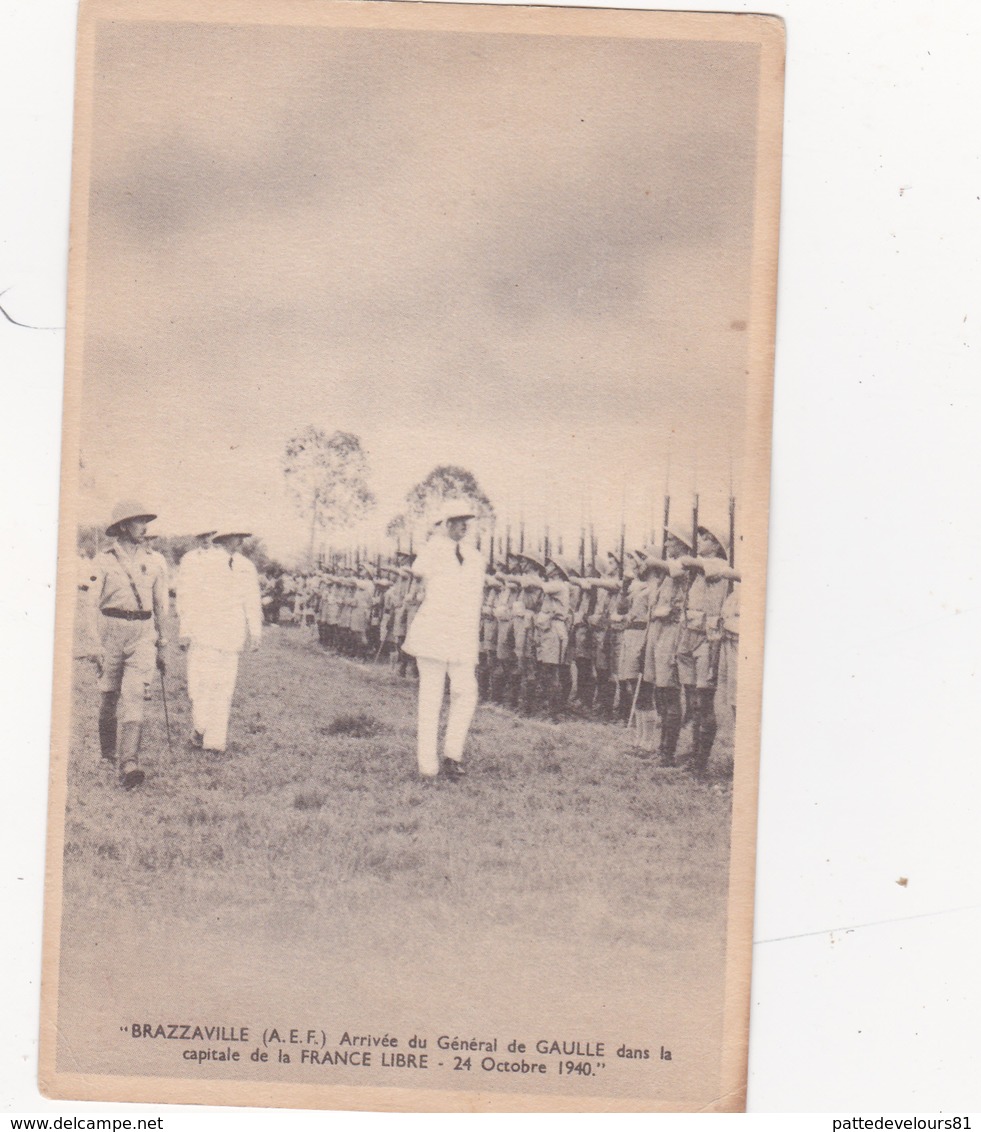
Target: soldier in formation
[700, 639]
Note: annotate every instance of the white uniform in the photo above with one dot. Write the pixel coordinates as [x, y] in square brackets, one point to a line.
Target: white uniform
[444, 637]
[220, 610]
[188, 594]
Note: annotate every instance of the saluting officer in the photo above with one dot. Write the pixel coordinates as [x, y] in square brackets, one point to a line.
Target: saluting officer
[130, 604]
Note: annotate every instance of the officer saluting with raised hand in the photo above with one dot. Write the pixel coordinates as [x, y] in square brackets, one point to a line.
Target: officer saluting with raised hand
[444, 636]
[130, 600]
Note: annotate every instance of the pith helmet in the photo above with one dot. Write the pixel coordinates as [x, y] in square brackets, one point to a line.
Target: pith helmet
[559, 565]
[123, 512]
[607, 568]
[716, 531]
[536, 562]
[572, 568]
[646, 562]
[676, 530]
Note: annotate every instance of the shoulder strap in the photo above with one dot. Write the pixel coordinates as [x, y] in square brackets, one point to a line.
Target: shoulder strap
[129, 578]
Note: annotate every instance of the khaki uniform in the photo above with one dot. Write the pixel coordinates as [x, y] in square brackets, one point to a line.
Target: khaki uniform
[525, 651]
[666, 606]
[701, 631]
[552, 623]
[667, 601]
[503, 684]
[581, 641]
[580, 645]
[617, 620]
[634, 630]
[363, 596]
[699, 643]
[607, 591]
[488, 636]
[488, 624]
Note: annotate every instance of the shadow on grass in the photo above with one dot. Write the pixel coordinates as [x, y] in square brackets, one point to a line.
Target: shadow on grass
[357, 726]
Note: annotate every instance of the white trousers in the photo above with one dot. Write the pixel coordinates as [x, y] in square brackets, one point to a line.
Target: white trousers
[463, 703]
[211, 677]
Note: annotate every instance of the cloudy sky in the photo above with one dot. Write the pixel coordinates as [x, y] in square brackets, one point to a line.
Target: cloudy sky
[525, 254]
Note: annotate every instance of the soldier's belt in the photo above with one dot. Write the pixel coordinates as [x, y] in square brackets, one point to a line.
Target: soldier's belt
[636, 625]
[128, 614]
[700, 622]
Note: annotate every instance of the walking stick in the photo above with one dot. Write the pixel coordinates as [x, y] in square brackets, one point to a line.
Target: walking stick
[163, 691]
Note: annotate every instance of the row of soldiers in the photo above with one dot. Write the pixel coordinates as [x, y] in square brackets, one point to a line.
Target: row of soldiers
[644, 638]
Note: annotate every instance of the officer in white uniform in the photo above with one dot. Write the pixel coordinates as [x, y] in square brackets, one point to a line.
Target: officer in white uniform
[221, 612]
[444, 636]
[188, 592]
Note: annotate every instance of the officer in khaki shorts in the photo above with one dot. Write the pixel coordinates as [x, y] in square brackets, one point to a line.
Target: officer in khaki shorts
[130, 601]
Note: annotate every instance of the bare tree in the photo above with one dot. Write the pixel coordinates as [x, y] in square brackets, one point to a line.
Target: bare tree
[327, 478]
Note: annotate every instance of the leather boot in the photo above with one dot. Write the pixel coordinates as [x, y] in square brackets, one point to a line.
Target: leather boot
[670, 724]
[705, 728]
[607, 700]
[691, 704]
[557, 694]
[586, 689]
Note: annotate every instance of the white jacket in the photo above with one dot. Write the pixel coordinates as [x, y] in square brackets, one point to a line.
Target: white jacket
[447, 626]
[220, 604]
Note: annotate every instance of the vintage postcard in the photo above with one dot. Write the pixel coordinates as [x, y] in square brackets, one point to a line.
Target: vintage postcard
[416, 464]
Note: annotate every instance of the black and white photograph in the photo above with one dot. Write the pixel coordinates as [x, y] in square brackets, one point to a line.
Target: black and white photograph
[415, 474]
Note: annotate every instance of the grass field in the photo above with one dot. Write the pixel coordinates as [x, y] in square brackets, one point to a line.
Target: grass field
[552, 819]
[313, 834]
